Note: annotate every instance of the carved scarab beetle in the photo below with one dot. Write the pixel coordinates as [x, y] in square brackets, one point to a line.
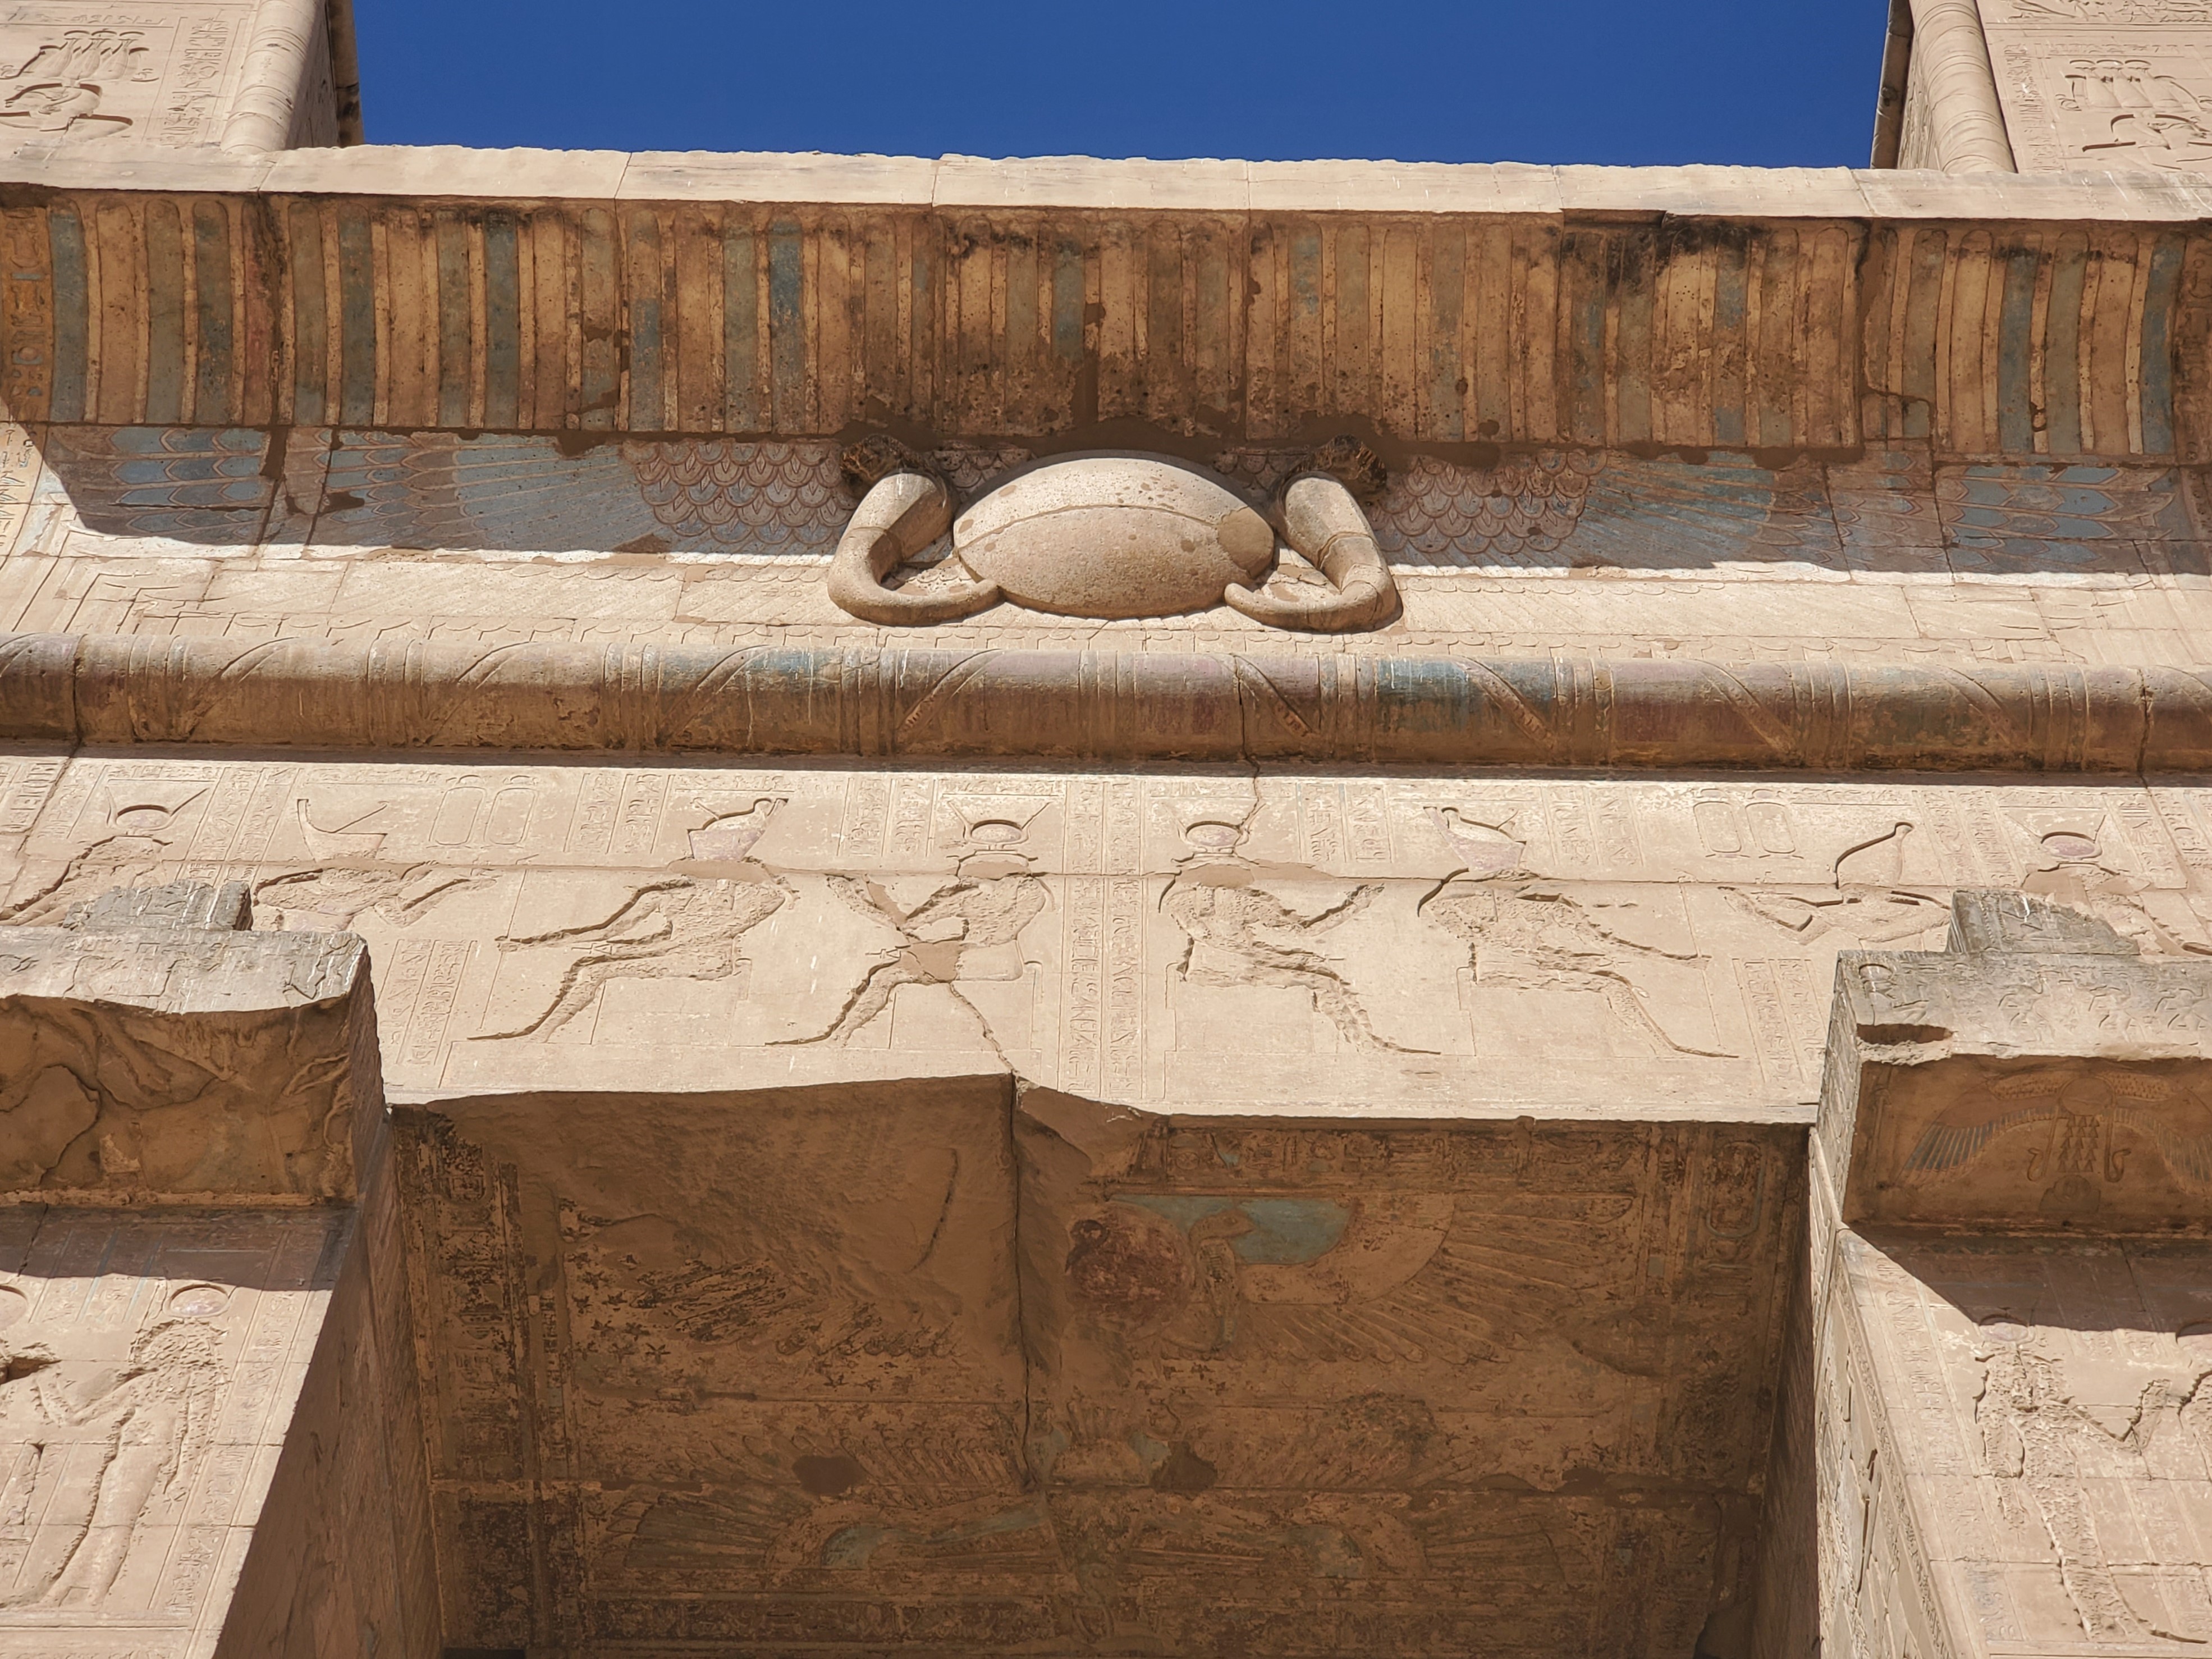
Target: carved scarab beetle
[1116, 535]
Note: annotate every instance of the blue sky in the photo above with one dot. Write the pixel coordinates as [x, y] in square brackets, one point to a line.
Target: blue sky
[1762, 82]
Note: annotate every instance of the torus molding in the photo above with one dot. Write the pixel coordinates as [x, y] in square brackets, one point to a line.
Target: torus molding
[1200, 302]
[102, 690]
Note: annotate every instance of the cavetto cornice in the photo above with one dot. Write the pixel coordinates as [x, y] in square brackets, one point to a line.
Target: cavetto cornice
[885, 703]
[1071, 301]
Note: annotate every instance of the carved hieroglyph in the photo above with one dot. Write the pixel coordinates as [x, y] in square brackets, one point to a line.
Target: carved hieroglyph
[72, 72]
[2019, 1447]
[2104, 83]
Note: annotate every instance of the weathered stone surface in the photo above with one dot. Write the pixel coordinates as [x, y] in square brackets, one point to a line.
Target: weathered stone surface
[1275, 1145]
[251, 77]
[1992, 1430]
[1187, 938]
[2023, 1465]
[149, 1049]
[2104, 83]
[1184, 705]
[2048, 87]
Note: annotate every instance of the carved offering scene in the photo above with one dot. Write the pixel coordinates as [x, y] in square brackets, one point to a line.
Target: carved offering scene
[153, 1369]
[2056, 1457]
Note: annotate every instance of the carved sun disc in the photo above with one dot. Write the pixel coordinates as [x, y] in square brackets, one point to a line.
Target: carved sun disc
[1114, 536]
[199, 1301]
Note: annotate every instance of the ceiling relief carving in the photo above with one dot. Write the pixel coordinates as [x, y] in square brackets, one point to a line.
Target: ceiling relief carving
[1117, 536]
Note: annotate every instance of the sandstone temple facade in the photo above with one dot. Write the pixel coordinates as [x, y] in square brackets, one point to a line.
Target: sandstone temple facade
[773, 905]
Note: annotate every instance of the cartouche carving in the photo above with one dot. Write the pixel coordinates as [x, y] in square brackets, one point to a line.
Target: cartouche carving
[1117, 535]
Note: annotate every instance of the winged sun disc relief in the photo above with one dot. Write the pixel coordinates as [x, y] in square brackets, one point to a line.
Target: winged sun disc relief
[1112, 536]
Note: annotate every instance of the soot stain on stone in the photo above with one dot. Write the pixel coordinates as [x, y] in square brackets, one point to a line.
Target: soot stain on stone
[828, 1477]
[1183, 1470]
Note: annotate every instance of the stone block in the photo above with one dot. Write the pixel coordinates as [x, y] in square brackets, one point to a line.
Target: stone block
[2039, 1073]
[1719, 191]
[150, 1048]
[1083, 181]
[447, 170]
[1402, 186]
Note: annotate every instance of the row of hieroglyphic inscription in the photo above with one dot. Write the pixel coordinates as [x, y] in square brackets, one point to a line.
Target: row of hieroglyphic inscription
[1405, 937]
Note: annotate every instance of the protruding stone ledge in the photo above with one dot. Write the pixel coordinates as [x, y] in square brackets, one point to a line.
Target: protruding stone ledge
[1194, 706]
[2039, 1073]
[151, 1050]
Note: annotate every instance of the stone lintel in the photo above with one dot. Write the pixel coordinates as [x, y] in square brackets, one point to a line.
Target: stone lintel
[153, 1051]
[456, 174]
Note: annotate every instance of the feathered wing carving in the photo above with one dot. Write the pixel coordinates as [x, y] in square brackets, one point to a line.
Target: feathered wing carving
[2179, 1126]
[1434, 512]
[2189, 1156]
[760, 498]
[1589, 507]
[1955, 1138]
[524, 494]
